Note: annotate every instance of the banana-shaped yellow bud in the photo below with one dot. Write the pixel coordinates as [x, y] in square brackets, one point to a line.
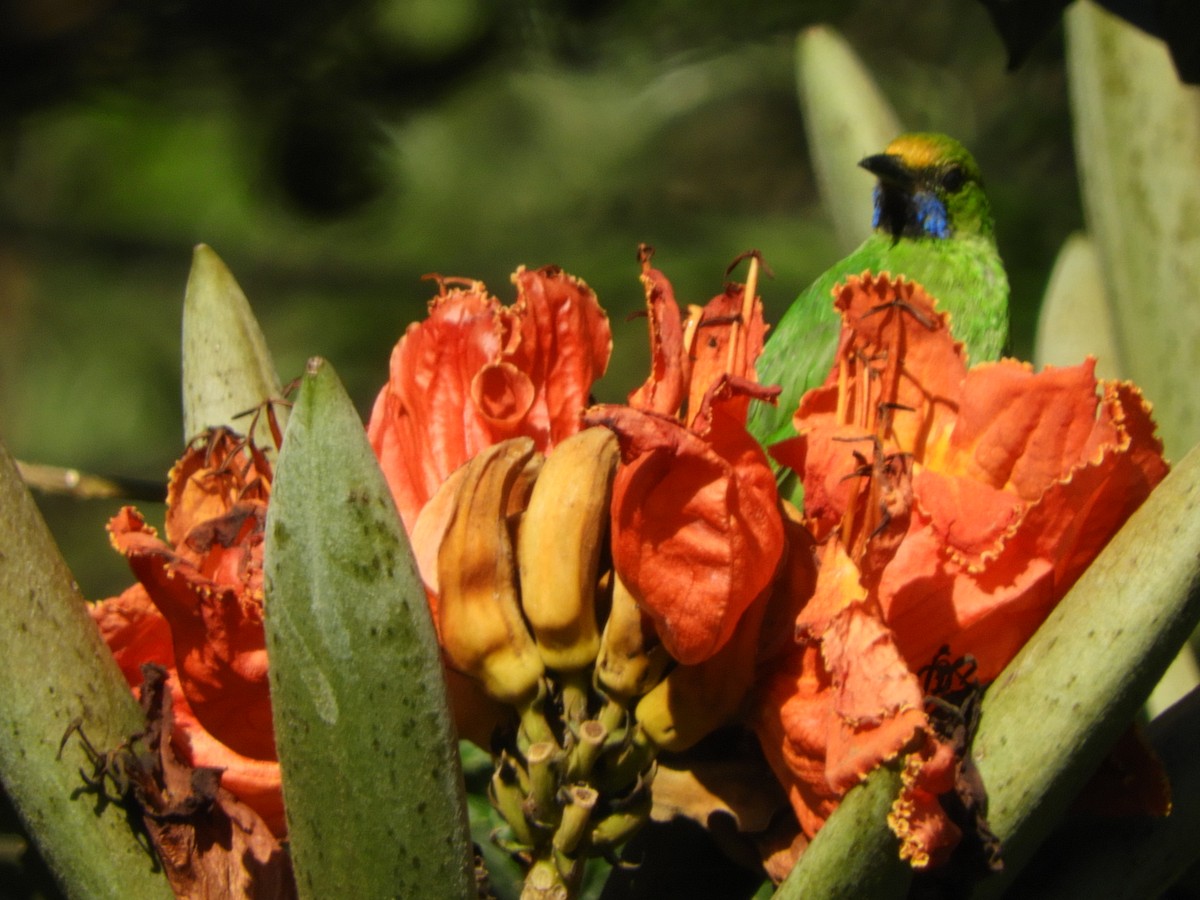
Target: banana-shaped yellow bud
[631, 659]
[482, 631]
[695, 700]
[558, 547]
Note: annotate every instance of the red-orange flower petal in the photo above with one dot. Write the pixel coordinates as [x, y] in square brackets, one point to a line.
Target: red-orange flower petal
[666, 388]
[926, 833]
[729, 335]
[958, 509]
[217, 471]
[792, 715]
[136, 633]
[476, 372]
[697, 533]
[566, 345]
[213, 604]
[983, 585]
[253, 780]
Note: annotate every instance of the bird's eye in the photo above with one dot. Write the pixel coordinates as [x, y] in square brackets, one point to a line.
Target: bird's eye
[953, 179]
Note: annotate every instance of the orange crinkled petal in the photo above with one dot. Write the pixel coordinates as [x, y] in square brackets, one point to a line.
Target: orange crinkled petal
[255, 781]
[137, 633]
[957, 508]
[926, 833]
[475, 372]
[697, 533]
[213, 604]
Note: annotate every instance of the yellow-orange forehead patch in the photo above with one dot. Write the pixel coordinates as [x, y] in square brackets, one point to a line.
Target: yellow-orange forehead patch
[917, 151]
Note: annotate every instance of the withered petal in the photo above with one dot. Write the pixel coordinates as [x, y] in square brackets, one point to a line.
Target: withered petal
[665, 390]
[216, 631]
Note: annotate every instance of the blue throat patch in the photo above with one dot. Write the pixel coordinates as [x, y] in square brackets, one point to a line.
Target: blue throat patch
[931, 214]
[928, 214]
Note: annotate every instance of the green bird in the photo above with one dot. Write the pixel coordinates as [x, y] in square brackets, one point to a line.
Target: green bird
[933, 225]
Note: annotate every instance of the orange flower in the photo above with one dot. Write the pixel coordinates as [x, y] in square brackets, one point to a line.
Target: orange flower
[957, 508]
[197, 611]
[697, 533]
[476, 372]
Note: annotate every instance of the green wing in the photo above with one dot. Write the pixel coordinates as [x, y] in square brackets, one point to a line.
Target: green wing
[966, 277]
[800, 349]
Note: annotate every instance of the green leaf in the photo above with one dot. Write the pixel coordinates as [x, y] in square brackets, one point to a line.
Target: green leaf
[371, 773]
[1059, 706]
[854, 855]
[57, 669]
[846, 117]
[1129, 857]
[227, 369]
[1137, 139]
[1075, 321]
[1075, 318]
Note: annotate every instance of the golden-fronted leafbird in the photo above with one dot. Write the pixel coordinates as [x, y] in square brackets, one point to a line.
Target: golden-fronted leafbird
[933, 225]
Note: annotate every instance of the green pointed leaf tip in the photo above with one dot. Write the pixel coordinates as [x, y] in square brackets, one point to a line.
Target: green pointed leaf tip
[56, 669]
[1137, 139]
[227, 369]
[1075, 319]
[371, 773]
[845, 118]
[1062, 702]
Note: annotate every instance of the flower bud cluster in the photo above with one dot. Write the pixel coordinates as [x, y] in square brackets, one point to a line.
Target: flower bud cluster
[529, 607]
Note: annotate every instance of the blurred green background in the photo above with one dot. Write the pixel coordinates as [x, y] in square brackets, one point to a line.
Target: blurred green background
[334, 152]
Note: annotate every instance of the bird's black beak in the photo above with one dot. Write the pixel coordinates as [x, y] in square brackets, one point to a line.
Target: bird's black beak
[889, 168]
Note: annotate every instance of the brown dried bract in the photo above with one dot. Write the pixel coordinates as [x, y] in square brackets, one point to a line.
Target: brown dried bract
[211, 846]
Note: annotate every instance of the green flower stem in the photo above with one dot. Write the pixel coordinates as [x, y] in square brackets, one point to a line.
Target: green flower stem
[586, 750]
[509, 800]
[534, 727]
[575, 817]
[1129, 857]
[1059, 706]
[371, 774]
[573, 688]
[854, 856]
[618, 827]
[543, 762]
[545, 882]
[627, 763]
[613, 716]
[57, 669]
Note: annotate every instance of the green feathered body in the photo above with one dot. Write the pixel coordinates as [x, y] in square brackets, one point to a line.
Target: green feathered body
[933, 225]
[965, 275]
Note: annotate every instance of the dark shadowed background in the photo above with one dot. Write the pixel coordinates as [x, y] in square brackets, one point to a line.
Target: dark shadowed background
[334, 152]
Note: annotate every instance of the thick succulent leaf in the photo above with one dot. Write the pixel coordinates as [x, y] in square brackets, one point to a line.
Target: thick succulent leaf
[227, 369]
[56, 669]
[1063, 701]
[855, 855]
[371, 773]
[1137, 137]
[1076, 318]
[846, 117]
[1131, 857]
